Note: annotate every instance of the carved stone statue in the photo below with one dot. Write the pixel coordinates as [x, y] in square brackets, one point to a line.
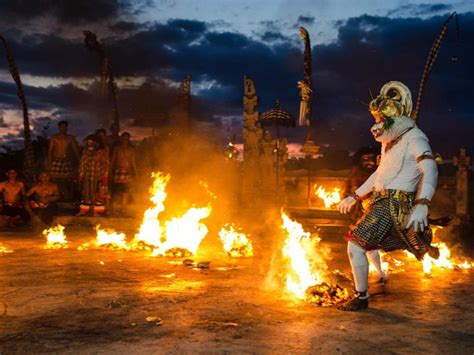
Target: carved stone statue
[181, 114]
[252, 134]
[305, 95]
[185, 86]
[250, 97]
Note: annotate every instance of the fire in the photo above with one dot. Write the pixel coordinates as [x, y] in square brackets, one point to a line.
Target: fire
[151, 231]
[4, 249]
[330, 198]
[306, 277]
[445, 260]
[55, 237]
[206, 188]
[107, 239]
[236, 244]
[385, 265]
[184, 234]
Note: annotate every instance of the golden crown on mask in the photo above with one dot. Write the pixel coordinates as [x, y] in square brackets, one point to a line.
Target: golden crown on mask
[393, 101]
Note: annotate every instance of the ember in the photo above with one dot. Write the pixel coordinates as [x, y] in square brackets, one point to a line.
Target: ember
[325, 295]
[236, 244]
[151, 231]
[307, 277]
[55, 238]
[185, 232]
[331, 198]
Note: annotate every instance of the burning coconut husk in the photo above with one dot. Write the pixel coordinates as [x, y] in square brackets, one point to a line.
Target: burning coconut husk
[184, 234]
[55, 238]
[236, 244]
[307, 276]
[107, 239]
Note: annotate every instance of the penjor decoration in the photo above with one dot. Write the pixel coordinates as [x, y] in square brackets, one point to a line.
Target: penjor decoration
[305, 85]
[306, 95]
[107, 76]
[29, 156]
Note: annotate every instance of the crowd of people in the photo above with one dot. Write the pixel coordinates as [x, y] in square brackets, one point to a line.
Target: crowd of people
[89, 177]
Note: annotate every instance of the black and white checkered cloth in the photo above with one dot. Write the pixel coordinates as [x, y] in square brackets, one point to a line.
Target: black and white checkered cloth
[379, 228]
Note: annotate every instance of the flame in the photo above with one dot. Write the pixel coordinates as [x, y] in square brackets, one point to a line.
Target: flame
[445, 260]
[308, 276]
[300, 249]
[4, 249]
[151, 231]
[107, 239]
[331, 197]
[184, 234]
[384, 263]
[236, 244]
[55, 237]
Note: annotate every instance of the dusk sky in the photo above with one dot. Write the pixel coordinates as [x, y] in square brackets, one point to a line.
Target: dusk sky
[357, 47]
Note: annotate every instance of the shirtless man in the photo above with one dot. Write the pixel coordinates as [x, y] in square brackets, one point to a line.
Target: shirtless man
[123, 169]
[13, 192]
[59, 162]
[45, 195]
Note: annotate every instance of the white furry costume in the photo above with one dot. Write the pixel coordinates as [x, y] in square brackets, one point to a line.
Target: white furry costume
[402, 187]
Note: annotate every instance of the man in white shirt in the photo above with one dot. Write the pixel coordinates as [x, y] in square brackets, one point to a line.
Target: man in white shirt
[401, 187]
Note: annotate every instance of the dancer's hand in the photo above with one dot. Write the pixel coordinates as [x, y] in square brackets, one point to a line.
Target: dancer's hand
[346, 205]
[418, 218]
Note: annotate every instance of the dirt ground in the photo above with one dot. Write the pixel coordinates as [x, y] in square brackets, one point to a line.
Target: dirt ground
[69, 301]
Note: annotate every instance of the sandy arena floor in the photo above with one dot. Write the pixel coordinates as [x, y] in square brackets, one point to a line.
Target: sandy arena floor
[71, 301]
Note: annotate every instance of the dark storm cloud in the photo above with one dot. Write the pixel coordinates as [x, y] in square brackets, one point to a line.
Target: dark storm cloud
[66, 12]
[373, 50]
[305, 20]
[126, 26]
[369, 51]
[270, 36]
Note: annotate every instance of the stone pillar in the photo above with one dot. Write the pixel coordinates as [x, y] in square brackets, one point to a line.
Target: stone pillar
[462, 183]
[252, 134]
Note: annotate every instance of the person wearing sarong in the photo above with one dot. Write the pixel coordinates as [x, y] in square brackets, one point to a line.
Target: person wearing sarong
[94, 177]
[364, 163]
[44, 196]
[401, 190]
[60, 164]
[12, 193]
[123, 171]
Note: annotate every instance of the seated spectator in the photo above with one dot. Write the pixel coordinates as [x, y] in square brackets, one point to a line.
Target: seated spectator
[45, 194]
[13, 193]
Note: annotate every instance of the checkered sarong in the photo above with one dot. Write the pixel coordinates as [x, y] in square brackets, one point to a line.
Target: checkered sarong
[379, 227]
[60, 168]
[122, 176]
